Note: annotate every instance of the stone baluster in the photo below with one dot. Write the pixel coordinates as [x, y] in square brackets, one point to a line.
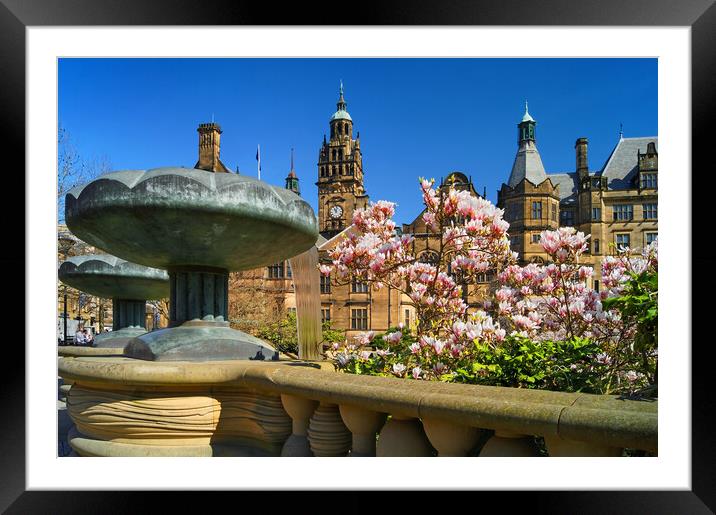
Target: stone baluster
[327, 434]
[403, 436]
[450, 439]
[363, 424]
[558, 447]
[506, 443]
[300, 410]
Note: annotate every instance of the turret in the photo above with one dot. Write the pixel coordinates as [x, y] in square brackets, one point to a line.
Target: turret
[292, 179]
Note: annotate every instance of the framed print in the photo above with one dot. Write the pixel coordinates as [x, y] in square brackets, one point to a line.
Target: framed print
[38, 39]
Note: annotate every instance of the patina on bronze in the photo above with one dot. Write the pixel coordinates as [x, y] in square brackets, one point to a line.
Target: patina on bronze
[199, 226]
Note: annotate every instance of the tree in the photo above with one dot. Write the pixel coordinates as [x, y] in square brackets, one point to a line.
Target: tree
[542, 328]
[254, 303]
[72, 169]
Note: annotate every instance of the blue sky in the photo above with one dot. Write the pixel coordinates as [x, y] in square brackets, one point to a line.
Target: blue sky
[416, 117]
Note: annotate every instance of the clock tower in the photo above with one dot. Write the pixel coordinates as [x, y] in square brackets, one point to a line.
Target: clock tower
[340, 174]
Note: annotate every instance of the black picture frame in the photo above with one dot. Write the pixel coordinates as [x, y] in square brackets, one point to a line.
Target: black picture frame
[700, 15]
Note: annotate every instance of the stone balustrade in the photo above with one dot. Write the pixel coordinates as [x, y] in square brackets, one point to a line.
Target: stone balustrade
[127, 407]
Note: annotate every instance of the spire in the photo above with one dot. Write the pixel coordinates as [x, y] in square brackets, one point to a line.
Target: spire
[527, 117]
[621, 131]
[341, 105]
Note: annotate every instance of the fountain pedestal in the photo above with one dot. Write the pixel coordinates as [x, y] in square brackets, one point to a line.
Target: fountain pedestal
[127, 284]
[199, 226]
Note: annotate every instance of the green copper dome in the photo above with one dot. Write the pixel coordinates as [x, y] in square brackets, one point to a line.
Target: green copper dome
[341, 115]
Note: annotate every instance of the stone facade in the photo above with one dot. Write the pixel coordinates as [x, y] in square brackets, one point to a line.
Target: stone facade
[616, 205]
[340, 174]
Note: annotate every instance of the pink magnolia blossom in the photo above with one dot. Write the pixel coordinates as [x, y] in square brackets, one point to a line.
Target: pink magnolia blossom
[393, 338]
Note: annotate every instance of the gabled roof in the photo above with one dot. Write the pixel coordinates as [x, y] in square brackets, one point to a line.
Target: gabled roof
[622, 165]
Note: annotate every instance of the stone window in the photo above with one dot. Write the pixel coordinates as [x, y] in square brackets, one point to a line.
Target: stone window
[596, 214]
[649, 211]
[567, 216]
[650, 237]
[325, 314]
[359, 319]
[623, 240]
[359, 287]
[536, 237]
[648, 181]
[407, 318]
[623, 212]
[554, 212]
[325, 283]
[596, 286]
[276, 271]
[537, 210]
[596, 246]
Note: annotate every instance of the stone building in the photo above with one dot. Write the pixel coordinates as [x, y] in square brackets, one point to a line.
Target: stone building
[616, 204]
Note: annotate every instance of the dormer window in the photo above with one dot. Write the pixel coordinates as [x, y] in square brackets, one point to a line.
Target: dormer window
[648, 181]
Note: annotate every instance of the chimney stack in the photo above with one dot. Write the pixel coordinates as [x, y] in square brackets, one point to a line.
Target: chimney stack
[209, 148]
[581, 151]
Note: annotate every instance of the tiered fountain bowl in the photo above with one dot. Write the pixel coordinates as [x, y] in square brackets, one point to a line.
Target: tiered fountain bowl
[198, 226]
[129, 285]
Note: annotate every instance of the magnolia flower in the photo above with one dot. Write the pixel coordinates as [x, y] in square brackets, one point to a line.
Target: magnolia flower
[364, 338]
[392, 338]
[398, 368]
[416, 372]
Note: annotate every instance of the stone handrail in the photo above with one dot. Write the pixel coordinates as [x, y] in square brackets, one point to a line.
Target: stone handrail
[327, 407]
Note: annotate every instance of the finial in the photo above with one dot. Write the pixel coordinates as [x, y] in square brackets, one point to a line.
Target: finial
[341, 90]
[292, 159]
[621, 131]
[527, 117]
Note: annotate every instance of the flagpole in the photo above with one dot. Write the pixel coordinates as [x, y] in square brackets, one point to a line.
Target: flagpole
[258, 161]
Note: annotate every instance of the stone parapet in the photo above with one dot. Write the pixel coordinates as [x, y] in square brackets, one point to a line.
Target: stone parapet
[257, 406]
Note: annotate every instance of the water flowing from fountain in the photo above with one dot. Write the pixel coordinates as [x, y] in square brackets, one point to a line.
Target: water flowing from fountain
[306, 280]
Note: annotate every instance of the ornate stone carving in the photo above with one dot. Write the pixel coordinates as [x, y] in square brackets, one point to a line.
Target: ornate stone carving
[327, 434]
[159, 416]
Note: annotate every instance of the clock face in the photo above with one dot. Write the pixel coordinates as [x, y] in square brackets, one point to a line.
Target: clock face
[336, 211]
